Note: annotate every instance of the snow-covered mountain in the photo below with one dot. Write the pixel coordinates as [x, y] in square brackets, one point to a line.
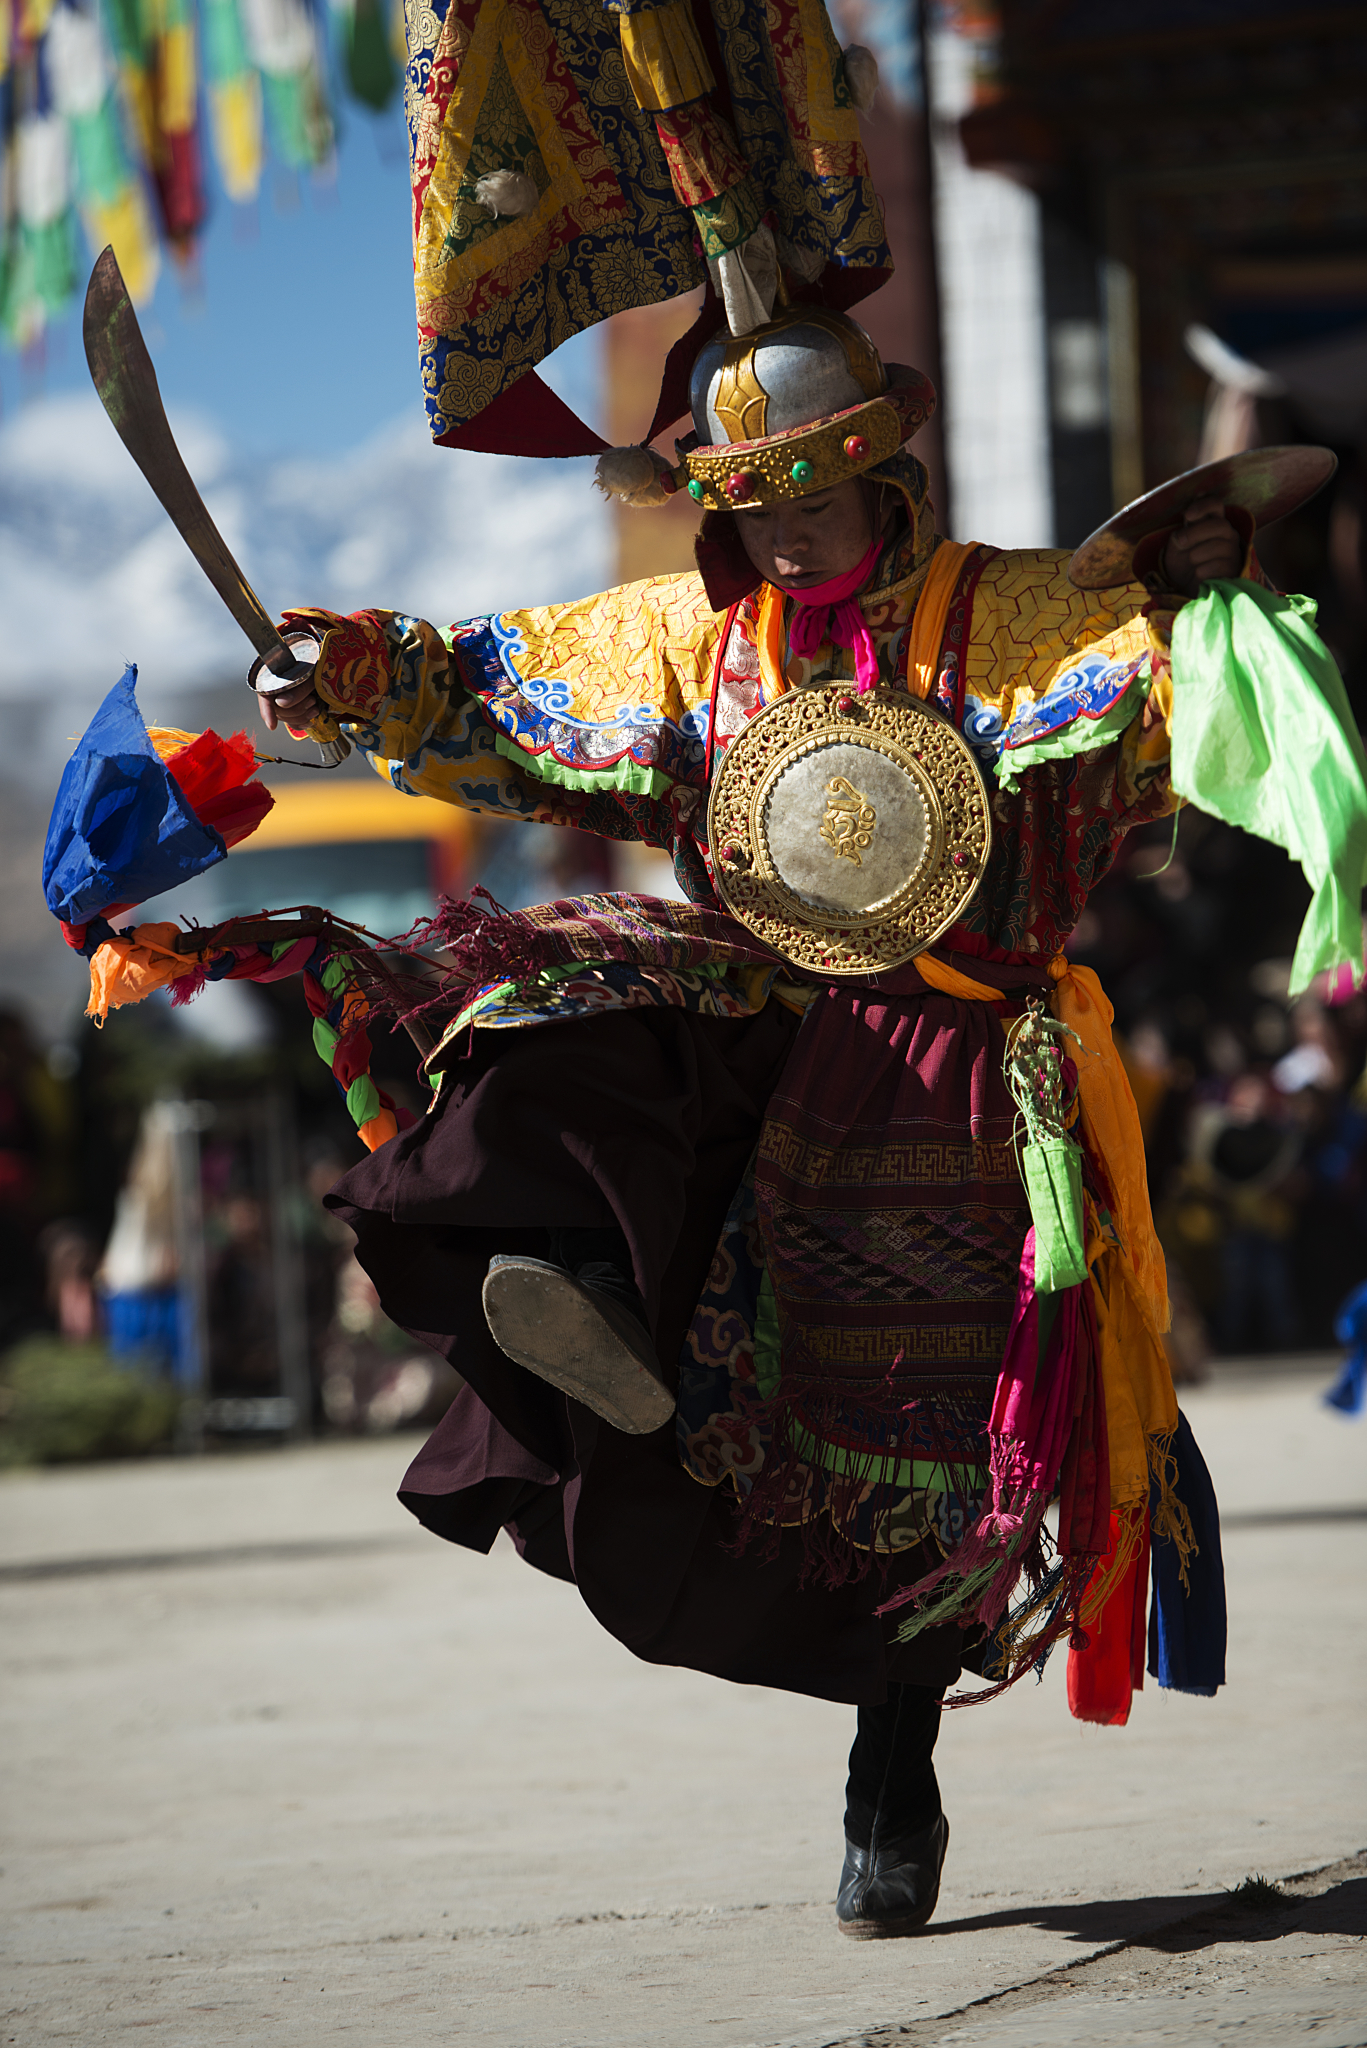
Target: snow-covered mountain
[92, 574]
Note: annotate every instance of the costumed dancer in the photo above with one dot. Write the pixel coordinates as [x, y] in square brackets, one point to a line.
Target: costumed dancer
[727, 1251]
[730, 1250]
[792, 1242]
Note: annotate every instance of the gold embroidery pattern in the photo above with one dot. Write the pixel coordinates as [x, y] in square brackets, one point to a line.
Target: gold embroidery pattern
[849, 821]
[971, 1347]
[1030, 626]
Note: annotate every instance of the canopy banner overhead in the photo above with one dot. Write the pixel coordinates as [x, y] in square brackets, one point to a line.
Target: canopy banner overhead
[571, 161]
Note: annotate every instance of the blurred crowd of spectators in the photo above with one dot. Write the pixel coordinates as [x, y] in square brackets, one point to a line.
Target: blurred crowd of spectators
[1253, 1105]
[1253, 1108]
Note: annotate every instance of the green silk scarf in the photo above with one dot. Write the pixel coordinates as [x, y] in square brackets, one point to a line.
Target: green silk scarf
[1263, 738]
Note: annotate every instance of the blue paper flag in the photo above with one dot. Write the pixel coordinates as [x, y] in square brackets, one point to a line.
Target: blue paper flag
[120, 830]
[1188, 1630]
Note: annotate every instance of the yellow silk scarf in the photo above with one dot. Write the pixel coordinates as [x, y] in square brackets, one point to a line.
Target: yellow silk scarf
[1129, 1283]
[929, 619]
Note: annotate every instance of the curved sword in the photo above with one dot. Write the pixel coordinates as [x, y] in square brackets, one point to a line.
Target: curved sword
[126, 382]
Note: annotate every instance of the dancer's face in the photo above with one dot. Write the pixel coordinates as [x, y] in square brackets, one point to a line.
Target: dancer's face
[809, 540]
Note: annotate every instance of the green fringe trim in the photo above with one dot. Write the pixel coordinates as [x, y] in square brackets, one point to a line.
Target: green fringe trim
[625, 775]
[1079, 737]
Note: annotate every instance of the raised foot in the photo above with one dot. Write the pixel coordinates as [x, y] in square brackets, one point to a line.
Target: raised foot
[577, 1339]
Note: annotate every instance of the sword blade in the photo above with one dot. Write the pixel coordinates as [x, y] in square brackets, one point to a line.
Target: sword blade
[127, 385]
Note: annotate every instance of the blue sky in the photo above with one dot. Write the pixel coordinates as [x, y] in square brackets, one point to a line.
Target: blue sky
[299, 335]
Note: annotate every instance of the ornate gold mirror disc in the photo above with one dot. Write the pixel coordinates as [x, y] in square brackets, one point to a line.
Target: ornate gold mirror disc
[848, 832]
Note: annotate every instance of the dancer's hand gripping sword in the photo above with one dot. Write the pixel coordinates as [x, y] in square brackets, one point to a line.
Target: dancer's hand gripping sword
[127, 385]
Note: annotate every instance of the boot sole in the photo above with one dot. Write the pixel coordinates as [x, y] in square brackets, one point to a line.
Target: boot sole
[584, 1345]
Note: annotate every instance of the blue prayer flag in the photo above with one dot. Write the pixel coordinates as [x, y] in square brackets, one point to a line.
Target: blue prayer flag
[120, 830]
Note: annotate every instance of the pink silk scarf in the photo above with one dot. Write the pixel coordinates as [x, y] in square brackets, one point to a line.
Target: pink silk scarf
[828, 611]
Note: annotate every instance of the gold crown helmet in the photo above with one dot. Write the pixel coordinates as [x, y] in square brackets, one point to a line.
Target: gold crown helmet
[794, 407]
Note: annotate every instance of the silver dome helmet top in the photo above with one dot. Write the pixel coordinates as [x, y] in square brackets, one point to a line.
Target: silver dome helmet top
[798, 406]
[805, 365]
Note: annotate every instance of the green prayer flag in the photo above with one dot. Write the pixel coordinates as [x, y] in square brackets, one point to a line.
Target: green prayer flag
[1263, 738]
[371, 71]
[50, 254]
[225, 43]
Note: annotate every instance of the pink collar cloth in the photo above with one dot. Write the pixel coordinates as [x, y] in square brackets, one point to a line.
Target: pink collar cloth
[828, 611]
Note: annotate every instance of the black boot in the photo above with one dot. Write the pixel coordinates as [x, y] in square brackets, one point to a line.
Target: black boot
[896, 1833]
[577, 1321]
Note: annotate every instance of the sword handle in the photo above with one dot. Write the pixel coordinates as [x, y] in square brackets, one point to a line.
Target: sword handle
[281, 665]
[285, 671]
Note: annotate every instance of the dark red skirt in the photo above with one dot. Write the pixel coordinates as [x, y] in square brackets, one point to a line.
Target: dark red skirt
[646, 1119]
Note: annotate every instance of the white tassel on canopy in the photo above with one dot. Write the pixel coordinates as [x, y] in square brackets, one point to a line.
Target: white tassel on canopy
[747, 281]
[861, 76]
[633, 475]
[511, 194]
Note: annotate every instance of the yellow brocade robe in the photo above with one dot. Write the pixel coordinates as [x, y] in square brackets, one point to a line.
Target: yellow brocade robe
[607, 712]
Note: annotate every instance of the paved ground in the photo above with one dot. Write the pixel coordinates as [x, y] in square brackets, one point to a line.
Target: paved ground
[284, 1770]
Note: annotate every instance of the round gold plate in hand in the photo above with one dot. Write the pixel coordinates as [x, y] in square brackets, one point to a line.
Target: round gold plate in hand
[848, 832]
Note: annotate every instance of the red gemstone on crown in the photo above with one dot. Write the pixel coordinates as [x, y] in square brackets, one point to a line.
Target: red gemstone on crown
[739, 486]
[856, 447]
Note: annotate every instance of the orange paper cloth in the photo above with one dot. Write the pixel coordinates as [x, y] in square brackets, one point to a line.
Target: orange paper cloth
[125, 970]
[1129, 1293]
[932, 611]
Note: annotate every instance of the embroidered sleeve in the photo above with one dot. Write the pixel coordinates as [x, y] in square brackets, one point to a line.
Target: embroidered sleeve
[1056, 834]
[1056, 703]
[609, 693]
[405, 702]
[502, 720]
[1049, 669]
